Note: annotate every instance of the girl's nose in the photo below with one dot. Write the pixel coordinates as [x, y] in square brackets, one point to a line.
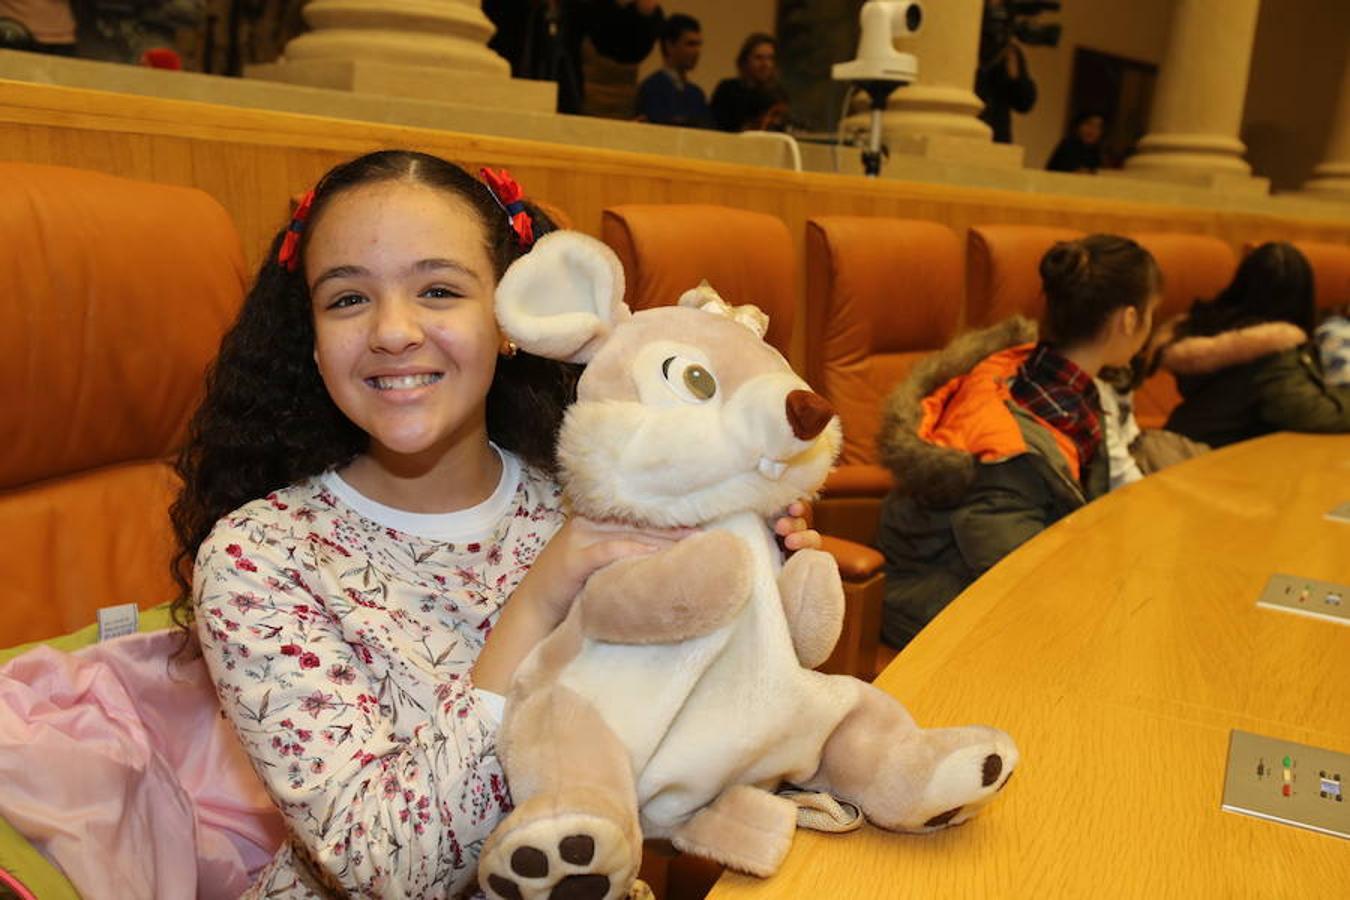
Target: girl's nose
[396, 327]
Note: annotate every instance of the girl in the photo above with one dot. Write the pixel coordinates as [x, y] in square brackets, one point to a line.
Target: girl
[995, 438]
[1244, 361]
[365, 484]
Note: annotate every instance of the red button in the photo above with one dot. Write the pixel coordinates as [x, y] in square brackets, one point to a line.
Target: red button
[1286, 790]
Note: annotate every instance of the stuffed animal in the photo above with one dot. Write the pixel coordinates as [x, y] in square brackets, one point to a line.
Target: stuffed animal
[678, 695]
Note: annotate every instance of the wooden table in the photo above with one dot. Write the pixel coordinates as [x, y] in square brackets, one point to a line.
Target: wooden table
[1119, 648]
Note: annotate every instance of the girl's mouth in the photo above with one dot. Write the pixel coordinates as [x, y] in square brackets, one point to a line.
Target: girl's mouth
[403, 382]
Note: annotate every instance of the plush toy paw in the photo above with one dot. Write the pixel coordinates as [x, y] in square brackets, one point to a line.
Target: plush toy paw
[540, 854]
[969, 767]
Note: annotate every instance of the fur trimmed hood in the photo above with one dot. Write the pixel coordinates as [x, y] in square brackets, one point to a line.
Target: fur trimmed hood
[936, 473]
[1206, 355]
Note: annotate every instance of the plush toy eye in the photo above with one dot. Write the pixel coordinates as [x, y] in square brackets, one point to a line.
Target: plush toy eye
[688, 379]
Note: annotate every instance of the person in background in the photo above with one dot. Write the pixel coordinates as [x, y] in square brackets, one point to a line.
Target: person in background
[542, 38]
[1080, 150]
[668, 97]
[998, 436]
[1245, 363]
[1333, 341]
[754, 100]
[40, 26]
[1002, 82]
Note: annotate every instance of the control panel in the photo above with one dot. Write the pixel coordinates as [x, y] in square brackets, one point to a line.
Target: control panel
[1308, 597]
[1287, 782]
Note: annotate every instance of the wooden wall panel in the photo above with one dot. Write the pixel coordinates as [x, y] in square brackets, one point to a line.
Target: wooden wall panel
[253, 161]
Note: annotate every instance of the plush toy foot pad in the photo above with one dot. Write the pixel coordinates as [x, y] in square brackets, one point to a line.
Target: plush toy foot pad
[977, 766]
[548, 855]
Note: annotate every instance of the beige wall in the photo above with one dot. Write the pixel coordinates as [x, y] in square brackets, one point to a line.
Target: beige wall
[1136, 29]
[725, 24]
[1300, 50]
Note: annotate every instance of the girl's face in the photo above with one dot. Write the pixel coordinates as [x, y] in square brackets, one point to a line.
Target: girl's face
[1129, 331]
[405, 338]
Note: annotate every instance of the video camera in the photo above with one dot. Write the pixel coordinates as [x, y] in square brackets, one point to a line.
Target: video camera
[1017, 19]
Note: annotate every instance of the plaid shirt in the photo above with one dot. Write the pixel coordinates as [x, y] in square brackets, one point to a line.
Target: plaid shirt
[1054, 389]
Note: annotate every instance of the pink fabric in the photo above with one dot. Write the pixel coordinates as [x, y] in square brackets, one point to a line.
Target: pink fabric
[118, 766]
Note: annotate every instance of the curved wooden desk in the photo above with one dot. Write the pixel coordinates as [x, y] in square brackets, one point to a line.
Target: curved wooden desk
[1119, 648]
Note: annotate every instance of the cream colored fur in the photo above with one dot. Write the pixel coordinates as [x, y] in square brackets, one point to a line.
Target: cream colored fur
[674, 698]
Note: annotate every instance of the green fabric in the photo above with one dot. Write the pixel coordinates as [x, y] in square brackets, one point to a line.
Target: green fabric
[20, 859]
[933, 554]
[17, 856]
[154, 619]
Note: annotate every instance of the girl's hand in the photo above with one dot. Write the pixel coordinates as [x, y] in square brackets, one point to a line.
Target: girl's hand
[546, 593]
[794, 531]
[578, 549]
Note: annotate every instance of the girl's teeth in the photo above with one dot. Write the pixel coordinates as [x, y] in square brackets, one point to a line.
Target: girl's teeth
[404, 382]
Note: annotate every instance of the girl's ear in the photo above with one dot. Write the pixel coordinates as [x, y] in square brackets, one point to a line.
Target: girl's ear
[563, 298]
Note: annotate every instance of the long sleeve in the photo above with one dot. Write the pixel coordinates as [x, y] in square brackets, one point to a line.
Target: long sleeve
[999, 514]
[389, 790]
[1292, 395]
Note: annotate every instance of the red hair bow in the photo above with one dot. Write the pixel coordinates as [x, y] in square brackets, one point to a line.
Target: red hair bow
[289, 253]
[511, 197]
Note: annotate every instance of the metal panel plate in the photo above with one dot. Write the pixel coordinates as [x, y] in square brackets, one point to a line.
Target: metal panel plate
[1307, 597]
[1340, 513]
[1290, 783]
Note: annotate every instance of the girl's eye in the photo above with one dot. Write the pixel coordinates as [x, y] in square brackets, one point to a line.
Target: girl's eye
[441, 293]
[346, 300]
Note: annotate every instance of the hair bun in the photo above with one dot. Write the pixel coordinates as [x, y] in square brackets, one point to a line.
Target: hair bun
[1065, 262]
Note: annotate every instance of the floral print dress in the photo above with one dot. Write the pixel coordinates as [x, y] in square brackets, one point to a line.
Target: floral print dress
[340, 635]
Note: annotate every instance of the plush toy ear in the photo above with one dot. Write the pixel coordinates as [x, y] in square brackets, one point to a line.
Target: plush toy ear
[563, 298]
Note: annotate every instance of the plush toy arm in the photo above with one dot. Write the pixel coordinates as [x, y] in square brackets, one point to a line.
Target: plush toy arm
[688, 590]
[813, 599]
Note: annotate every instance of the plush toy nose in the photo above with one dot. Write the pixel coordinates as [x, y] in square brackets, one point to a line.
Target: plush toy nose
[808, 413]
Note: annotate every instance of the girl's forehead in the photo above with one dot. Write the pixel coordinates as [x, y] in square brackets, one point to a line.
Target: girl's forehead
[399, 217]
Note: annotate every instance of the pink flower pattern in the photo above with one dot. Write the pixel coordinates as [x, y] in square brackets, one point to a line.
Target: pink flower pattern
[341, 651]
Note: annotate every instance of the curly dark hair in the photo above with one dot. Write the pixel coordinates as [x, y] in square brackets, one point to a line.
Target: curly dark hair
[267, 421]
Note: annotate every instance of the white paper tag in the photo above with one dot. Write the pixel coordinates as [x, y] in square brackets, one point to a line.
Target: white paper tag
[116, 621]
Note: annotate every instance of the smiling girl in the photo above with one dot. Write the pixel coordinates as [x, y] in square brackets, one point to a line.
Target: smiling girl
[366, 484]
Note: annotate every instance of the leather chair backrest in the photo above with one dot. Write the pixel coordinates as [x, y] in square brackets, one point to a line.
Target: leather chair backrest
[1003, 270]
[114, 295]
[880, 295]
[746, 256]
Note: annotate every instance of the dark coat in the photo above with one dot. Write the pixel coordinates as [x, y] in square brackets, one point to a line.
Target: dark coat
[545, 50]
[1252, 381]
[1072, 155]
[1003, 95]
[998, 477]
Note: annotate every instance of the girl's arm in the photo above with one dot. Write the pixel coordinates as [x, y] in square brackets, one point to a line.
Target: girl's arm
[377, 815]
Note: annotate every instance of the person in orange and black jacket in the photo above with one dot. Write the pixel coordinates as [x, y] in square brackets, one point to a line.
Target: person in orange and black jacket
[998, 436]
[1245, 362]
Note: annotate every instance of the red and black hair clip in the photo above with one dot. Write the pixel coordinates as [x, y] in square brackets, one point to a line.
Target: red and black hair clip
[511, 198]
[288, 255]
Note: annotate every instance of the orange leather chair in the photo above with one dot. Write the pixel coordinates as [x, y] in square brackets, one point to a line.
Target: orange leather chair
[114, 295]
[880, 295]
[1193, 266]
[1331, 270]
[1003, 270]
[668, 249]
[748, 258]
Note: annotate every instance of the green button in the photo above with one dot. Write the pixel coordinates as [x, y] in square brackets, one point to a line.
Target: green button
[1288, 762]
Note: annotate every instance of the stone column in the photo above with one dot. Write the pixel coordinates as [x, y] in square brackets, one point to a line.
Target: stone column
[937, 116]
[1331, 179]
[1202, 86]
[424, 49]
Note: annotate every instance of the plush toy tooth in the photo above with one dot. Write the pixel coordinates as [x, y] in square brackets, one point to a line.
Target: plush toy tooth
[771, 468]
